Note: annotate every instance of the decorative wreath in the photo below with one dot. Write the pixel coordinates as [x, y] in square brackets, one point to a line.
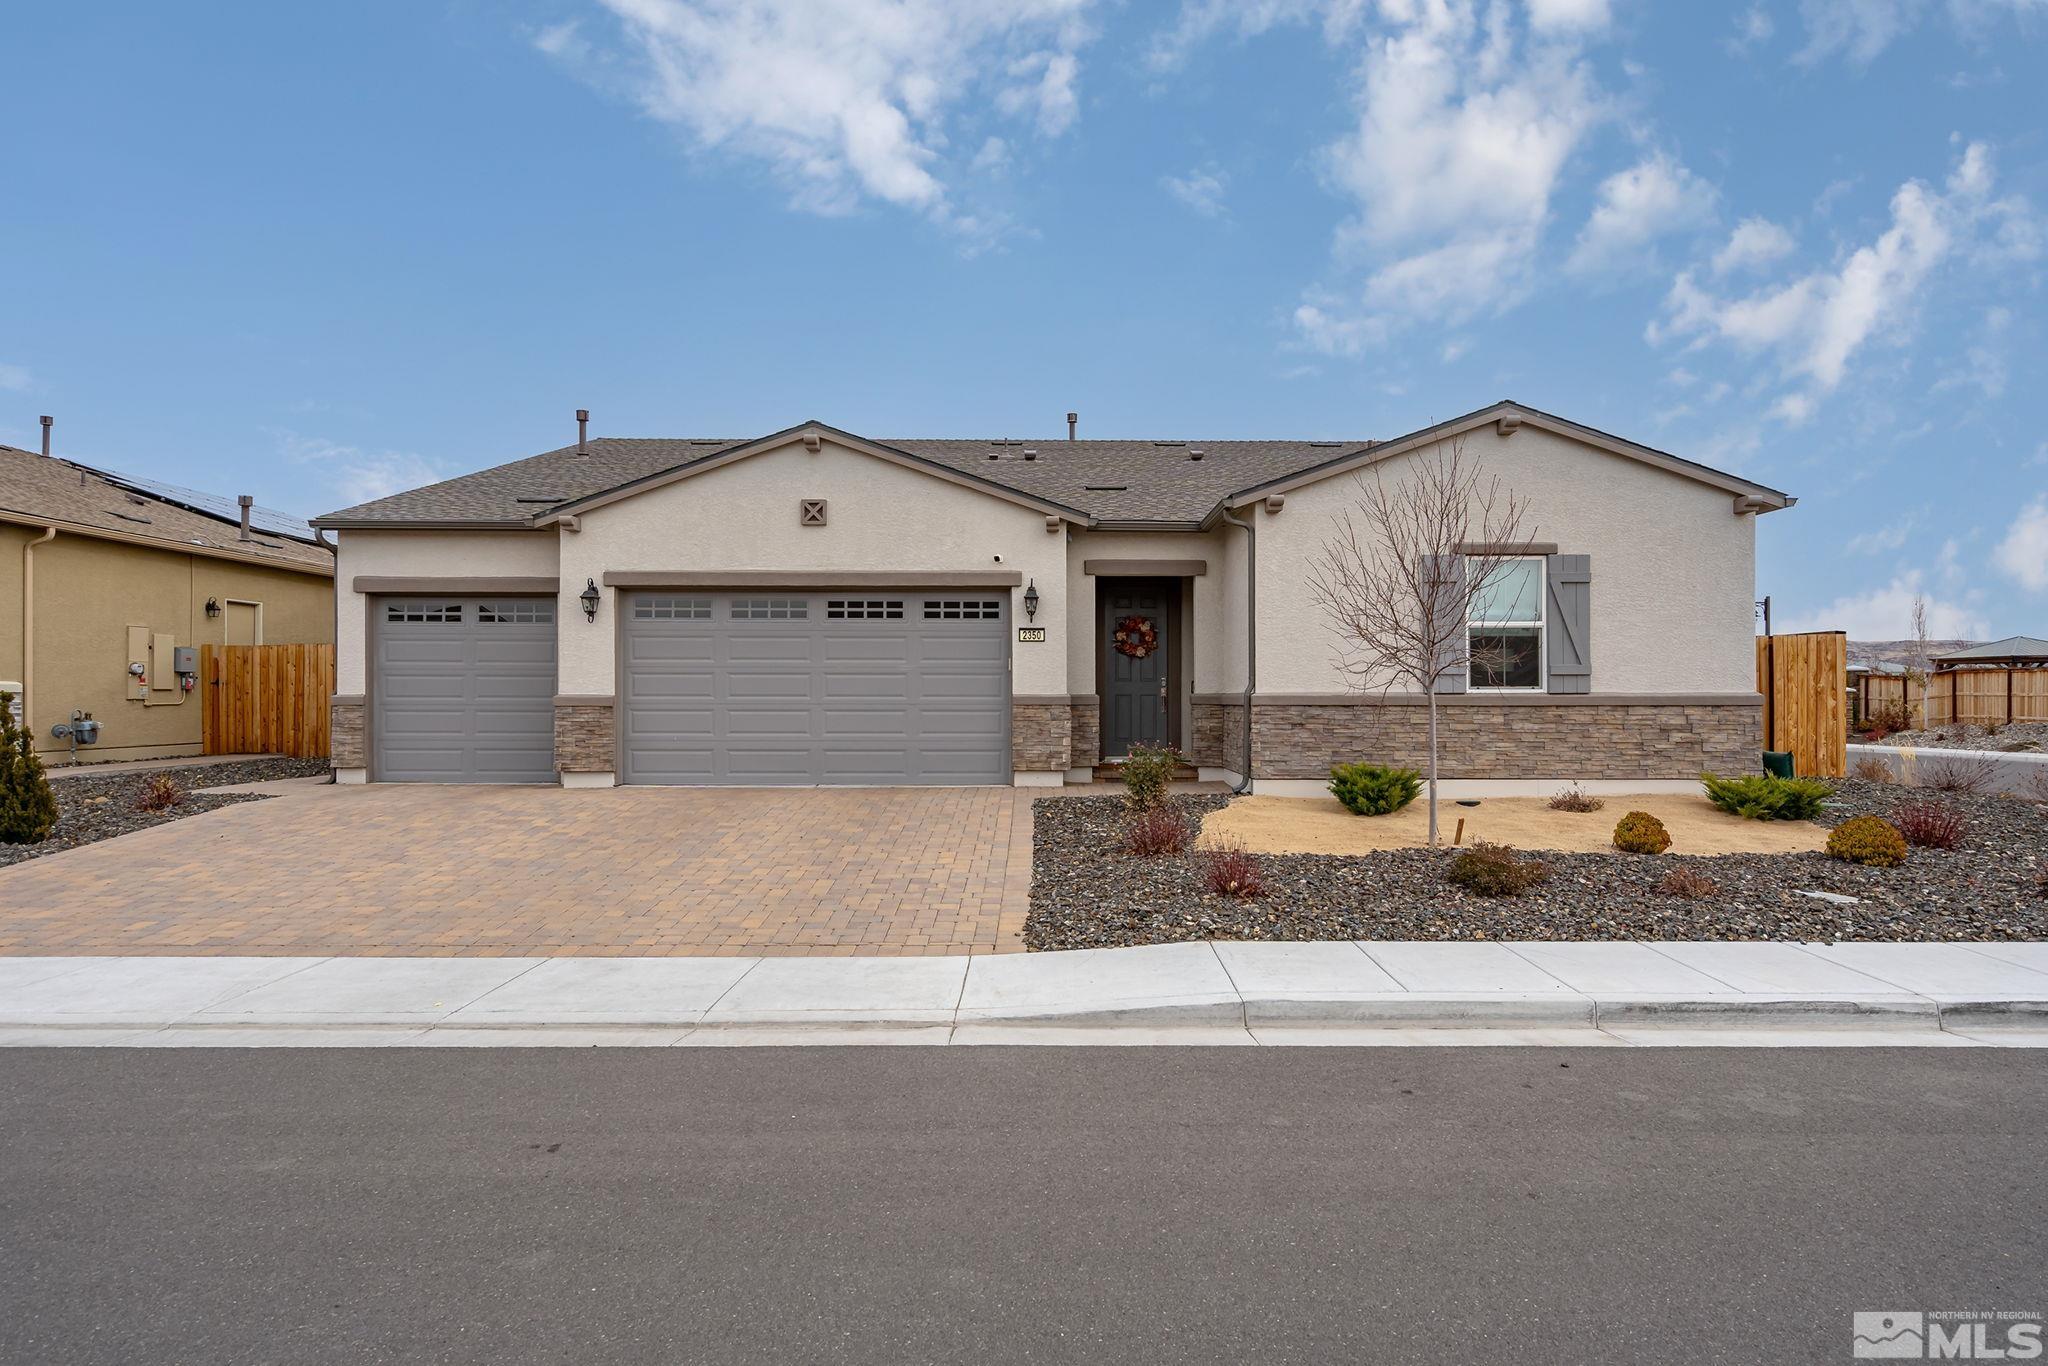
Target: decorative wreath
[1136, 637]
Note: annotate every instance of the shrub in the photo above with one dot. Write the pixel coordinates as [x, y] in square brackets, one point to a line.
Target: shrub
[1231, 870]
[2035, 788]
[1964, 777]
[1374, 789]
[160, 793]
[1872, 769]
[1687, 883]
[1868, 840]
[28, 809]
[1931, 825]
[1574, 799]
[1146, 772]
[1160, 830]
[1495, 870]
[1887, 718]
[1639, 832]
[1761, 797]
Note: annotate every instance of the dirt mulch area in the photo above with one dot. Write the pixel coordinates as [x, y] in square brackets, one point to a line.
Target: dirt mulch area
[2021, 737]
[1087, 893]
[1321, 825]
[93, 807]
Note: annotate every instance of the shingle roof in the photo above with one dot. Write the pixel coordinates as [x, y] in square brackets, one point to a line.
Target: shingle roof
[45, 488]
[2012, 647]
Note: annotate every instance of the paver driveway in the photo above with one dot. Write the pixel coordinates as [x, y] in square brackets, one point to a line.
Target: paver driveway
[506, 870]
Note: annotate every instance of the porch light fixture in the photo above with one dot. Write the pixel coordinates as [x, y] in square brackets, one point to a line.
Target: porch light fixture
[213, 607]
[1031, 601]
[589, 599]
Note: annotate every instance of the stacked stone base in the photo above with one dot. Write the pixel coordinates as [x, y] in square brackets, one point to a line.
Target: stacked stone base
[586, 737]
[348, 730]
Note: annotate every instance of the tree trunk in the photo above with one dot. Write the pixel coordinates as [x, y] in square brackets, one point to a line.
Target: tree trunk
[1432, 766]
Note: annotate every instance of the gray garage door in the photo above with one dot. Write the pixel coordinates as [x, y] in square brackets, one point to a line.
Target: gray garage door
[820, 688]
[463, 690]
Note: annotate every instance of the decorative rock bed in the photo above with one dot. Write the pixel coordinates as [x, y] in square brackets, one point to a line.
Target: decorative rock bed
[99, 806]
[1087, 893]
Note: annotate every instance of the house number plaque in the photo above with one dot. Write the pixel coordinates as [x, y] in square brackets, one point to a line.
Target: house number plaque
[1031, 635]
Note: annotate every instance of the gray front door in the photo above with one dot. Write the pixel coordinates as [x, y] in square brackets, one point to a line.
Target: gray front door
[1134, 686]
[809, 689]
[462, 690]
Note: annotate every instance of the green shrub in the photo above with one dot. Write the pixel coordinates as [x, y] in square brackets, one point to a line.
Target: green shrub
[1494, 870]
[1374, 789]
[1146, 772]
[28, 809]
[1639, 832]
[1760, 797]
[1868, 840]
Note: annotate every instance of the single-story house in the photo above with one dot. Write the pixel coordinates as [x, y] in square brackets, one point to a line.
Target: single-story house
[108, 583]
[817, 607]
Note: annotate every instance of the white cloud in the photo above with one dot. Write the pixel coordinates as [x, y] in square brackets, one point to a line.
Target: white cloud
[1755, 243]
[1753, 28]
[2023, 554]
[1816, 324]
[843, 101]
[1568, 15]
[355, 474]
[1881, 540]
[1201, 190]
[15, 379]
[1887, 614]
[1859, 30]
[1637, 206]
[2040, 455]
[1983, 366]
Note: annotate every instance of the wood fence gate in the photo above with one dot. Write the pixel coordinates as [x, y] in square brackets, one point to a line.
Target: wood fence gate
[266, 699]
[1805, 683]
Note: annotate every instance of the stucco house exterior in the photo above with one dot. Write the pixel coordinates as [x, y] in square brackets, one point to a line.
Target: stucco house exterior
[108, 583]
[817, 607]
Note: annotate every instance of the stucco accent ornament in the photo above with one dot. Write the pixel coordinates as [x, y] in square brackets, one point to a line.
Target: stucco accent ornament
[1136, 637]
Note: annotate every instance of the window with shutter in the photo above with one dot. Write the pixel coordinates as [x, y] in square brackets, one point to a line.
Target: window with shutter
[1505, 629]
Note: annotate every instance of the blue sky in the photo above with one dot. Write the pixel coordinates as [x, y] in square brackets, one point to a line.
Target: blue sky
[322, 252]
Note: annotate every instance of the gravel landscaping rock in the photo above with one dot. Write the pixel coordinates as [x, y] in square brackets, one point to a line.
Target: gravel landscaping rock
[2021, 737]
[1087, 893]
[92, 807]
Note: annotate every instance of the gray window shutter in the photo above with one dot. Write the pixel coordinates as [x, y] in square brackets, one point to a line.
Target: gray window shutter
[1446, 575]
[1569, 616]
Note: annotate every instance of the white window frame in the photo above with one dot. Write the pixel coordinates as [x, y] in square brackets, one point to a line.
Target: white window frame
[1541, 623]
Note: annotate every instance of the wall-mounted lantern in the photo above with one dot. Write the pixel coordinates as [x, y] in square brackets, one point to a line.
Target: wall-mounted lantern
[1031, 601]
[213, 607]
[589, 598]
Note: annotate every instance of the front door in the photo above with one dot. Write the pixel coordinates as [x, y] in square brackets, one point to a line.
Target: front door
[1135, 621]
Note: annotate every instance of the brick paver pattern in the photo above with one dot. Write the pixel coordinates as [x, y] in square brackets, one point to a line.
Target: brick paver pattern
[511, 871]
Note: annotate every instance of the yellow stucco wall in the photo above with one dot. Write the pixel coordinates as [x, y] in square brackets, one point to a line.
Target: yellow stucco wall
[89, 591]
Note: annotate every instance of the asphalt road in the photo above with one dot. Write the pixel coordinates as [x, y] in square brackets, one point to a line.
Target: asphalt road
[1008, 1205]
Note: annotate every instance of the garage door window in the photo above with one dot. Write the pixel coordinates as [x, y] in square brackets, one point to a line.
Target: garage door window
[424, 612]
[968, 610]
[770, 609]
[517, 612]
[672, 609]
[863, 609]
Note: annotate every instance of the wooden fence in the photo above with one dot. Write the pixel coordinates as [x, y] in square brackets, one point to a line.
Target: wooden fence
[266, 699]
[1875, 692]
[1977, 696]
[1805, 683]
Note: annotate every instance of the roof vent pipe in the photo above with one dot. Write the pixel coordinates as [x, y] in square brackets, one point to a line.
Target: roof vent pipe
[583, 431]
[46, 421]
[1194, 455]
[1073, 420]
[1030, 454]
[245, 502]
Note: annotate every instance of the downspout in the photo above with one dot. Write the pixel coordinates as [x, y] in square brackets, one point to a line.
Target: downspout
[1251, 636]
[28, 627]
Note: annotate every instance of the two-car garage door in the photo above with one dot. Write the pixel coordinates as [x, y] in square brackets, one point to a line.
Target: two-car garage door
[814, 688]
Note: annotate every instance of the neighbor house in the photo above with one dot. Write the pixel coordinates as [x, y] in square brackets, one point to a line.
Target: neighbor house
[817, 607]
[108, 584]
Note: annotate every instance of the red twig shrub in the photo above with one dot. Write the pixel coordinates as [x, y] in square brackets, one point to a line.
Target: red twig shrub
[1157, 830]
[1489, 869]
[1231, 870]
[160, 793]
[1971, 777]
[1931, 825]
[1688, 883]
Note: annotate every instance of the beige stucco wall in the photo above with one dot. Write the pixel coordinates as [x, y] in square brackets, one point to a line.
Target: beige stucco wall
[1674, 569]
[89, 591]
[426, 554]
[1208, 611]
[880, 517]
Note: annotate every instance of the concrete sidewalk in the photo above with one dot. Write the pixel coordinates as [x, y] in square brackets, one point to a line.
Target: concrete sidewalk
[1743, 994]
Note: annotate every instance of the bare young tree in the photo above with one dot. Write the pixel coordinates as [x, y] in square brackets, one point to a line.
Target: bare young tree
[1403, 569]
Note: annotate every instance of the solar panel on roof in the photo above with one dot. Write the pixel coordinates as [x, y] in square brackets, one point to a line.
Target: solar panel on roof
[214, 505]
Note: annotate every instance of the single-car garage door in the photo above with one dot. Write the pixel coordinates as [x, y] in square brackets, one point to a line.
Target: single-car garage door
[462, 690]
[821, 688]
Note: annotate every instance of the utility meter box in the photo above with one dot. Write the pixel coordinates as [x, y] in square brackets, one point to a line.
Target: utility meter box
[185, 660]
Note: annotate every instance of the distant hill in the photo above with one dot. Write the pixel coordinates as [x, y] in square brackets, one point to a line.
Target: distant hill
[1899, 651]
